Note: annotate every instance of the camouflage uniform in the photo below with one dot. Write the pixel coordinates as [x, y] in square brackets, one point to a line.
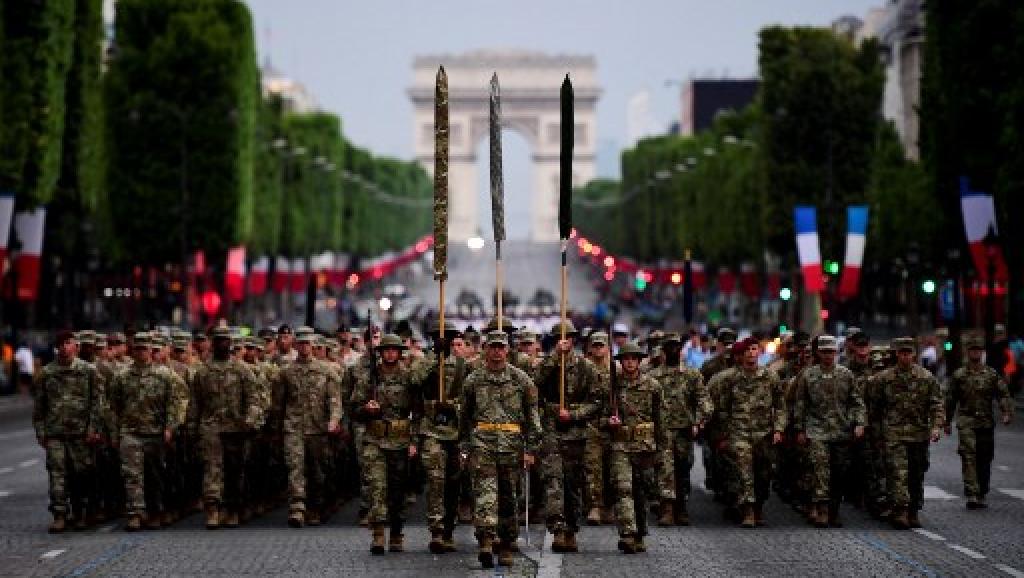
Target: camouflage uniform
[971, 390]
[562, 464]
[716, 466]
[687, 405]
[69, 405]
[828, 408]
[595, 457]
[911, 406]
[500, 420]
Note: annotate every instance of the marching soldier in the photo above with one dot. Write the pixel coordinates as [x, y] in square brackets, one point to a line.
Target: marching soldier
[285, 353]
[858, 360]
[229, 406]
[148, 403]
[687, 406]
[754, 418]
[912, 409]
[595, 458]
[67, 418]
[828, 415]
[383, 400]
[312, 409]
[636, 422]
[971, 391]
[716, 467]
[500, 426]
[565, 434]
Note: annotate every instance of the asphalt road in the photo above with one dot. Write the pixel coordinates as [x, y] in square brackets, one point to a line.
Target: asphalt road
[953, 542]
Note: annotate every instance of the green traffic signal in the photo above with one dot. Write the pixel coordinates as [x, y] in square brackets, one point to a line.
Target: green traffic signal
[785, 293]
[832, 267]
[928, 286]
[640, 284]
[947, 345]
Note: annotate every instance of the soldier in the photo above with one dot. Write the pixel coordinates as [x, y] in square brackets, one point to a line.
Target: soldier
[565, 419]
[828, 415]
[200, 346]
[148, 403]
[635, 418]
[754, 418]
[595, 460]
[793, 471]
[364, 366]
[858, 360]
[911, 404]
[500, 424]
[67, 418]
[715, 469]
[687, 406]
[229, 406]
[382, 398]
[312, 409]
[188, 456]
[971, 390]
[285, 352]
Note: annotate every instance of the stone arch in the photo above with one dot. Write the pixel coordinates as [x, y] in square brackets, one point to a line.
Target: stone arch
[530, 84]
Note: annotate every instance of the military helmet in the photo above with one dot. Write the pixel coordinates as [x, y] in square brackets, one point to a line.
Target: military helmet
[904, 343]
[492, 325]
[860, 338]
[142, 339]
[630, 349]
[974, 342]
[116, 337]
[672, 337]
[86, 337]
[827, 343]
[599, 337]
[391, 341]
[570, 329]
[101, 340]
[303, 334]
[435, 327]
[221, 332]
[497, 338]
[527, 336]
[726, 336]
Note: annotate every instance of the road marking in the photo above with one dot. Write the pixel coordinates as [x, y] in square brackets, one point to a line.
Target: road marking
[107, 529]
[5, 493]
[28, 463]
[1012, 492]
[21, 433]
[931, 535]
[1010, 570]
[937, 493]
[875, 542]
[550, 565]
[967, 551]
[52, 554]
[6, 470]
[1003, 468]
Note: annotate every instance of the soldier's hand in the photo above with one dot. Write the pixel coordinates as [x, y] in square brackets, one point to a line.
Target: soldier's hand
[696, 430]
[614, 421]
[564, 416]
[777, 438]
[413, 451]
[372, 406]
[936, 434]
[1007, 418]
[463, 459]
[528, 460]
[858, 432]
[801, 438]
[333, 427]
[168, 436]
[564, 346]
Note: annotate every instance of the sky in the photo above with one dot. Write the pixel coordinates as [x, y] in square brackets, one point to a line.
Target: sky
[355, 56]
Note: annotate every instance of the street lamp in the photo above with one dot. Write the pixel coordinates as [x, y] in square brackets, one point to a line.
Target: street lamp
[475, 243]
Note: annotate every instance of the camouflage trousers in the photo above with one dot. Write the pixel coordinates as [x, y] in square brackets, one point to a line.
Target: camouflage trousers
[495, 477]
[387, 477]
[976, 448]
[441, 461]
[224, 472]
[674, 468]
[596, 469]
[752, 458]
[632, 477]
[829, 466]
[874, 459]
[562, 470]
[70, 465]
[908, 461]
[792, 479]
[142, 465]
[309, 465]
[358, 433]
[109, 481]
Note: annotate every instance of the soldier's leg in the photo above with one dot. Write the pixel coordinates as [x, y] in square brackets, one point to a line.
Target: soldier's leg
[358, 433]
[708, 455]
[234, 471]
[554, 485]
[574, 485]
[376, 473]
[593, 460]
[898, 475]
[398, 483]
[644, 479]
[508, 521]
[918, 462]
[764, 466]
[986, 452]
[156, 482]
[622, 480]
[213, 473]
[682, 458]
[453, 476]
[133, 460]
[667, 471]
[318, 455]
[742, 454]
[967, 447]
[435, 463]
[57, 470]
[484, 470]
[295, 458]
[818, 452]
[83, 487]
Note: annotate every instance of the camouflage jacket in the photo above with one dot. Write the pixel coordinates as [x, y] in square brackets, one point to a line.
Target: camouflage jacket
[442, 425]
[146, 399]
[585, 394]
[228, 397]
[500, 412]
[720, 362]
[971, 391]
[69, 400]
[909, 402]
[828, 403]
[752, 403]
[686, 399]
[395, 426]
[641, 409]
[862, 372]
[311, 397]
[516, 359]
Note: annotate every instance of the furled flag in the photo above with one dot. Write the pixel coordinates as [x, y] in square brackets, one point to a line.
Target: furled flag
[856, 237]
[808, 249]
[726, 281]
[234, 274]
[748, 281]
[282, 274]
[298, 277]
[979, 212]
[258, 275]
[6, 217]
[29, 226]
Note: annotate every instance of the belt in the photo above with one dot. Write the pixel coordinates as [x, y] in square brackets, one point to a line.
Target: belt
[389, 428]
[638, 433]
[502, 427]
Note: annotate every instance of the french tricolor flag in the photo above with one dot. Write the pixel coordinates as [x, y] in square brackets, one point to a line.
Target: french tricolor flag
[28, 226]
[807, 248]
[6, 218]
[297, 283]
[282, 274]
[258, 275]
[234, 276]
[856, 238]
[979, 212]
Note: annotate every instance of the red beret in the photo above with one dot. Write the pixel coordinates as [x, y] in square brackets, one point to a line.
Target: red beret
[64, 336]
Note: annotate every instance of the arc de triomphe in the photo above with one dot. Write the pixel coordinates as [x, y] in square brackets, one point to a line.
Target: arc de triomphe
[530, 85]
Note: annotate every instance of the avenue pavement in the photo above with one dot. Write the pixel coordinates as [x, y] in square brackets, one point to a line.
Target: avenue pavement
[953, 542]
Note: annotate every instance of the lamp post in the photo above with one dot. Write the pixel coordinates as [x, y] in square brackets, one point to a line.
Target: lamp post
[991, 243]
[955, 325]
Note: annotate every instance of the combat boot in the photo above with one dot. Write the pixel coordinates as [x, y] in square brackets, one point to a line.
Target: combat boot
[134, 523]
[607, 515]
[641, 547]
[378, 545]
[759, 514]
[436, 545]
[364, 517]
[80, 524]
[58, 524]
[396, 542]
[981, 502]
[212, 517]
[296, 518]
[682, 515]
[231, 519]
[152, 522]
[821, 515]
[748, 516]
[465, 512]
[558, 542]
[912, 520]
[627, 544]
[449, 541]
[505, 554]
[570, 542]
[833, 516]
[313, 517]
[665, 514]
[900, 521]
[973, 503]
[594, 516]
[486, 555]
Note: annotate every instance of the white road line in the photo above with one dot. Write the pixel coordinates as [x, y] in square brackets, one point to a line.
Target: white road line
[6, 470]
[550, 565]
[1012, 492]
[107, 529]
[52, 554]
[967, 551]
[1003, 468]
[930, 535]
[28, 463]
[5, 493]
[937, 493]
[22, 433]
[1010, 570]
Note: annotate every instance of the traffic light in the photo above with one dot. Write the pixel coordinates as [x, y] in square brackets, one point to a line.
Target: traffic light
[947, 345]
[928, 286]
[783, 328]
[832, 267]
[785, 293]
[824, 314]
[640, 284]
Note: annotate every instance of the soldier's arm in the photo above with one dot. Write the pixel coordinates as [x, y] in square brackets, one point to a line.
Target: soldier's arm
[467, 405]
[704, 407]
[546, 378]
[858, 408]
[778, 403]
[952, 397]
[531, 413]
[1006, 404]
[937, 410]
[41, 405]
[334, 400]
[799, 402]
[178, 401]
[661, 434]
[594, 394]
[254, 394]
